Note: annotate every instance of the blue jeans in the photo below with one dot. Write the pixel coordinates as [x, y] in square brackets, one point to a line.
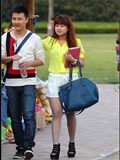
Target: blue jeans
[22, 103]
[4, 105]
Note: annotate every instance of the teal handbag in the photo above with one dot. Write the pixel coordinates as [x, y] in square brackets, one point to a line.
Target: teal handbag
[79, 94]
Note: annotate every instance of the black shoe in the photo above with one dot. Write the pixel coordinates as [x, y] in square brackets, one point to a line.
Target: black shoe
[28, 154]
[55, 152]
[19, 154]
[71, 150]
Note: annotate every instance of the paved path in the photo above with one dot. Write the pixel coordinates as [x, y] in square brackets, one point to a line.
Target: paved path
[97, 134]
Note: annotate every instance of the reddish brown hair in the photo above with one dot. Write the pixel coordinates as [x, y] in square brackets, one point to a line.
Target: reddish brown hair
[71, 34]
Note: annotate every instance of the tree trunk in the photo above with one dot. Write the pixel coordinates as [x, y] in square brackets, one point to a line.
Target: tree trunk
[30, 5]
[50, 10]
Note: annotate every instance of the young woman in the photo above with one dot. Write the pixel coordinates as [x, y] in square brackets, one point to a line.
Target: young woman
[57, 45]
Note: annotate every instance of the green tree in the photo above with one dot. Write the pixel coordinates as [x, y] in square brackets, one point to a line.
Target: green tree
[7, 7]
[79, 10]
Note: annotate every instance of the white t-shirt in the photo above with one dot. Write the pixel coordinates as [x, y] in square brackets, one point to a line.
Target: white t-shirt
[31, 50]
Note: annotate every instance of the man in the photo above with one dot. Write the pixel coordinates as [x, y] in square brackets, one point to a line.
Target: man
[21, 91]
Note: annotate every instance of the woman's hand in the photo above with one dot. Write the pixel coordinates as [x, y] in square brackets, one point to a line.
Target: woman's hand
[69, 57]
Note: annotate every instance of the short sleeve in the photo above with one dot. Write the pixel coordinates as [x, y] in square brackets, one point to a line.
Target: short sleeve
[82, 51]
[47, 43]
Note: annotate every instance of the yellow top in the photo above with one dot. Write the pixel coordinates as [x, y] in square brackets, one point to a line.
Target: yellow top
[2, 66]
[56, 55]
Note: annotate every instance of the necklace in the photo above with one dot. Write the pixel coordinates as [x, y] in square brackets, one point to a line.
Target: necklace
[18, 37]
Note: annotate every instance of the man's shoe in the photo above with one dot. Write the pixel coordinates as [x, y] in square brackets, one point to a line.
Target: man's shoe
[28, 154]
[19, 154]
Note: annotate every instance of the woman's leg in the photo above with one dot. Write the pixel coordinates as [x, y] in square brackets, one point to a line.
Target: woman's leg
[56, 126]
[71, 123]
[56, 121]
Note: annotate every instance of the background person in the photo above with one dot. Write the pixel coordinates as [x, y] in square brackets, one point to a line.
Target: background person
[50, 27]
[22, 91]
[118, 54]
[57, 45]
[9, 28]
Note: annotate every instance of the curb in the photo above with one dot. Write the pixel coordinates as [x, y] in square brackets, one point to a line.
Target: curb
[104, 155]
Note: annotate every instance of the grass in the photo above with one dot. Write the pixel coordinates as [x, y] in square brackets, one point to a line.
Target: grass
[100, 56]
[86, 27]
[96, 25]
[81, 27]
[43, 24]
[100, 65]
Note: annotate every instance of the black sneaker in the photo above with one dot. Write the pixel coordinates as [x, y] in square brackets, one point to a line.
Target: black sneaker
[19, 154]
[28, 154]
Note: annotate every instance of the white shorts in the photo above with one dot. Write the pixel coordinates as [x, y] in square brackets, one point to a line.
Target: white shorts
[56, 80]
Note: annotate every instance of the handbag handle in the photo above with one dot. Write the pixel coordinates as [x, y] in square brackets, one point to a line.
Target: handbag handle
[70, 79]
[71, 70]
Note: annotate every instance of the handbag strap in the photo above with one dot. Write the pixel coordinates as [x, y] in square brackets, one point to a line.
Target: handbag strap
[70, 79]
[17, 50]
[71, 70]
[23, 42]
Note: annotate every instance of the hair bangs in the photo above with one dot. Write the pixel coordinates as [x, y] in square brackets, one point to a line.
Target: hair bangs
[61, 20]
